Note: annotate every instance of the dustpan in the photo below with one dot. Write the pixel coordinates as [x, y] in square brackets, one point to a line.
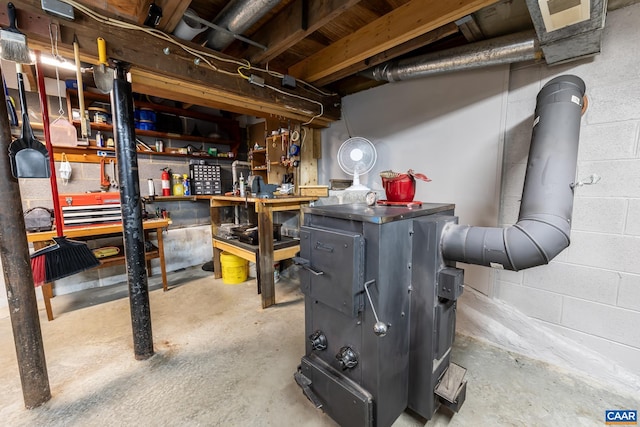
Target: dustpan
[63, 133]
[29, 158]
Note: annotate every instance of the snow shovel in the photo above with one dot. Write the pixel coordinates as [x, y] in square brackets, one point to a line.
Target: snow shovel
[102, 74]
[29, 157]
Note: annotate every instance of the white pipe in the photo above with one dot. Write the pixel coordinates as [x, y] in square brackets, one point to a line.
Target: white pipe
[234, 174]
[233, 168]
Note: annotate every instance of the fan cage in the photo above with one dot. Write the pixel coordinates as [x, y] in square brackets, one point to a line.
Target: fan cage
[353, 162]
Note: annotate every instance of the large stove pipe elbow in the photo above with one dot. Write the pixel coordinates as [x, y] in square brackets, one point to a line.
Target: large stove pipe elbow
[544, 223]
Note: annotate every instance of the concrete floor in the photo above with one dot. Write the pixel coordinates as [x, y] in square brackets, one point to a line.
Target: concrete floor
[223, 361]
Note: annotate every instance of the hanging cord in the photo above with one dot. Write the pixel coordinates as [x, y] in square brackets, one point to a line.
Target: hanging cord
[53, 37]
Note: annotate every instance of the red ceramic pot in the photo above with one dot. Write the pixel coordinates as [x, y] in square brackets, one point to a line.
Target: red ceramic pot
[402, 186]
[399, 189]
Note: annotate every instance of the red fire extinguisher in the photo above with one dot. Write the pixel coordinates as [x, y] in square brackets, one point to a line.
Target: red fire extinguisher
[166, 184]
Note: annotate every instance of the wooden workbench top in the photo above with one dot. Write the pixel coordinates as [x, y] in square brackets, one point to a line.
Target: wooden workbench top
[94, 230]
[274, 201]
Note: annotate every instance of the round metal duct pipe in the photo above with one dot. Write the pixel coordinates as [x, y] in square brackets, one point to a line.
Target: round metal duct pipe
[501, 50]
[544, 222]
[237, 17]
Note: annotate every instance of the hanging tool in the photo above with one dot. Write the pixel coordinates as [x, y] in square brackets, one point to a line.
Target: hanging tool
[85, 126]
[114, 174]
[102, 74]
[65, 257]
[11, 105]
[12, 42]
[62, 131]
[29, 157]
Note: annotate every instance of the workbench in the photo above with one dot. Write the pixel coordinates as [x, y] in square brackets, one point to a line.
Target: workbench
[44, 238]
[266, 253]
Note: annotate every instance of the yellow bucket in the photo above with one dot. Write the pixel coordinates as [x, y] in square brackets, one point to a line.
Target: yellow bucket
[234, 269]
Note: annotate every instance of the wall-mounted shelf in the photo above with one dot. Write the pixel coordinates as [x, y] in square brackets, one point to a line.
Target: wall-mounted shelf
[266, 163]
[104, 127]
[89, 154]
[229, 129]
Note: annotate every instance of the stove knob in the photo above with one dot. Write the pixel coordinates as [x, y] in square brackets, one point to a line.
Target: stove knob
[347, 358]
[318, 340]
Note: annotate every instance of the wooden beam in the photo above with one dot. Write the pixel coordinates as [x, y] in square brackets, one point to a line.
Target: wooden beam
[308, 168]
[291, 25]
[153, 84]
[176, 73]
[401, 25]
[172, 11]
[130, 10]
[387, 55]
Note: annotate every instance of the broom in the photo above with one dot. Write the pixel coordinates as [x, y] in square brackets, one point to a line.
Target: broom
[65, 257]
[12, 41]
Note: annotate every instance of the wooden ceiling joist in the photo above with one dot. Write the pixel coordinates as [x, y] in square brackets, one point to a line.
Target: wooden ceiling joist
[294, 23]
[181, 78]
[387, 55]
[382, 34]
[172, 11]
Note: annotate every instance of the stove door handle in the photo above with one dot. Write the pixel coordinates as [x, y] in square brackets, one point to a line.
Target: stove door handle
[312, 271]
[305, 385]
[324, 247]
[306, 264]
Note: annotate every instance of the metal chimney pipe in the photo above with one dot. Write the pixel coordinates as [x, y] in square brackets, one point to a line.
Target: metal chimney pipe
[544, 222]
[237, 17]
[501, 50]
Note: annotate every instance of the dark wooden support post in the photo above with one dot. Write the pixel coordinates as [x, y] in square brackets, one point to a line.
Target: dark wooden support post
[18, 279]
[265, 255]
[127, 157]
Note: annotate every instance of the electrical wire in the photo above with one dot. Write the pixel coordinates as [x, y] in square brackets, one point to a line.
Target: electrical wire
[301, 97]
[201, 55]
[302, 82]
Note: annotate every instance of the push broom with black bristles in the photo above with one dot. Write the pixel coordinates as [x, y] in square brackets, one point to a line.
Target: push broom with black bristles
[12, 41]
[65, 257]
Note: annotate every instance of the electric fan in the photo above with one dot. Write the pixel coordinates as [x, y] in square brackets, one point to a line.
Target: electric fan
[356, 156]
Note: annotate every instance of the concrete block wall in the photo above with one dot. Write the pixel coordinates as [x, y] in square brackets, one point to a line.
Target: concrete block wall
[591, 292]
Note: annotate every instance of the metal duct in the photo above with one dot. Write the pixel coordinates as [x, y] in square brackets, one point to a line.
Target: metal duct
[237, 17]
[581, 37]
[544, 222]
[501, 50]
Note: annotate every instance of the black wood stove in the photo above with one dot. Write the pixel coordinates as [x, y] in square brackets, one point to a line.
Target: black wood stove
[380, 308]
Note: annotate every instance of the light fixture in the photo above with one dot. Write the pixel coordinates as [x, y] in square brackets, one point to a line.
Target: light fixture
[49, 60]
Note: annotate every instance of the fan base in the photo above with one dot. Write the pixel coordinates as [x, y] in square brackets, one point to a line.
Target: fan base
[412, 204]
[357, 187]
